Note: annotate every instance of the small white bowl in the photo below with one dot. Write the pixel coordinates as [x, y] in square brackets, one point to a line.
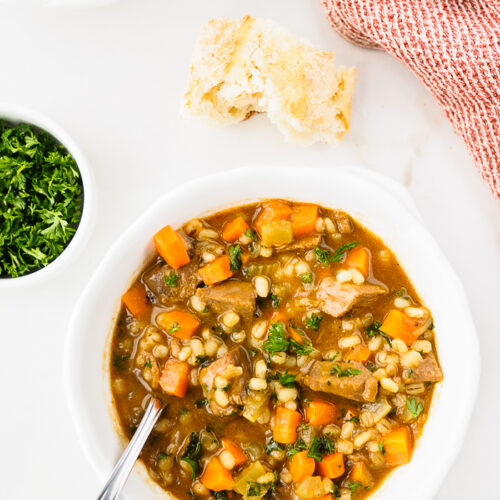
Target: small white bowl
[378, 203]
[18, 114]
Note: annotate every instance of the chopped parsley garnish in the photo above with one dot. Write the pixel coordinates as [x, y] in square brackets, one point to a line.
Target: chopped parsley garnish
[275, 300]
[325, 258]
[162, 455]
[235, 257]
[119, 361]
[354, 486]
[285, 379]
[306, 278]
[205, 310]
[253, 489]
[272, 445]
[276, 340]
[202, 360]
[409, 372]
[354, 419]
[314, 321]
[183, 411]
[174, 328]
[414, 407]
[399, 293]
[220, 495]
[192, 454]
[374, 329]
[320, 447]
[171, 279]
[251, 234]
[301, 348]
[299, 445]
[348, 372]
[41, 199]
[200, 403]
[148, 364]
[381, 448]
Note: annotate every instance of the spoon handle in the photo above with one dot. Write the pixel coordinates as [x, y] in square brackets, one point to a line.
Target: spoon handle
[127, 460]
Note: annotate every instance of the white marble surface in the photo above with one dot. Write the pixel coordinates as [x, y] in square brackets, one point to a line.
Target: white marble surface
[113, 78]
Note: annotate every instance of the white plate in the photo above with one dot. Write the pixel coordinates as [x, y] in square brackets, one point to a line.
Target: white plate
[378, 203]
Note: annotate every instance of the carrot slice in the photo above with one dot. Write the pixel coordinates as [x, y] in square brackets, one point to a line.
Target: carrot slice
[359, 353]
[304, 219]
[135, 300]
[180, 324]
[301, 466]
[285, 425]
[174, 378]
[275, 210]
[321, 412]
[216, 477]
[279, 316]
[400, 326]
[361, 474]
[359, 258]
[172, 247]
[398, 446]
[235, 229]
[332, 466]
[295, 335]
[235, 450]
[216, 271]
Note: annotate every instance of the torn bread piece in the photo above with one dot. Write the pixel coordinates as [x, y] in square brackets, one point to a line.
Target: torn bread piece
[252, 65]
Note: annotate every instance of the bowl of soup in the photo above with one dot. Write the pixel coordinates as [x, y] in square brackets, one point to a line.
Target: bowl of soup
[303, 328]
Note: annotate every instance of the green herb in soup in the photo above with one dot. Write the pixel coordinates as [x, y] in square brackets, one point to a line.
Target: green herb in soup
[290, 366]
[41, 199]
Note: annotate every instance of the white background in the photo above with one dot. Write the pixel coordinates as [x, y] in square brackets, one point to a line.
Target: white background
[113, 77]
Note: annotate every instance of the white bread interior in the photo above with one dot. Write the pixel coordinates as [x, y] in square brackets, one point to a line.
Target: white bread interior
[254, 65]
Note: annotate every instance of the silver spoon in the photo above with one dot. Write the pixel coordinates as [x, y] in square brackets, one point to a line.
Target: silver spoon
[127, 460]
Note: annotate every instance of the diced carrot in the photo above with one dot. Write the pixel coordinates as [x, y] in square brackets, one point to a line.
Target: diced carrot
[398, 446]
[216, 477]
[279, 316]
[275, 210]
[361, 474]
[332, 466]
[285, 425]
[216, 271]
[400, 326]
[180, 324]
[325, 497]
[172, 247]
[301, 466]
[235, 229]
[304, 219]
[359, 353]
[359, 258]
[135, 300]
[295, 335]
[235, 450]
[174, 378]
[320, 412]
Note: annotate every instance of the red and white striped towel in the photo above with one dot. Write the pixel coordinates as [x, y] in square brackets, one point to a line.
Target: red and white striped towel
[453, 46]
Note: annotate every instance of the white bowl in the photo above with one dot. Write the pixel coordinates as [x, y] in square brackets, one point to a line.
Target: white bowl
[375, 201]
[19, 114]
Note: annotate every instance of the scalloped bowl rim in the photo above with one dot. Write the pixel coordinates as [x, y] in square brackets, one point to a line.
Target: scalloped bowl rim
[377, 202]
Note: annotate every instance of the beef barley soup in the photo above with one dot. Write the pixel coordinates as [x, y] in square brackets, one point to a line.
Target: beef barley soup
[295, 356]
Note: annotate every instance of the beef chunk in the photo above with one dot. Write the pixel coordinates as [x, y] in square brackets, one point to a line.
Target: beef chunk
[344, 223]
[188, 280]
[237, 296]
[338, 298]
[236, 391]
[305, 243]
[333, 377]
[427, 371]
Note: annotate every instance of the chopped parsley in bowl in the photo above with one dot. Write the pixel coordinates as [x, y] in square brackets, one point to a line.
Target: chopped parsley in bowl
[41, 199]
[47, 197]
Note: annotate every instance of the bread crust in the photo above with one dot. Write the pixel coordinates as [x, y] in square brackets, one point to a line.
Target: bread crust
[249, 65]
